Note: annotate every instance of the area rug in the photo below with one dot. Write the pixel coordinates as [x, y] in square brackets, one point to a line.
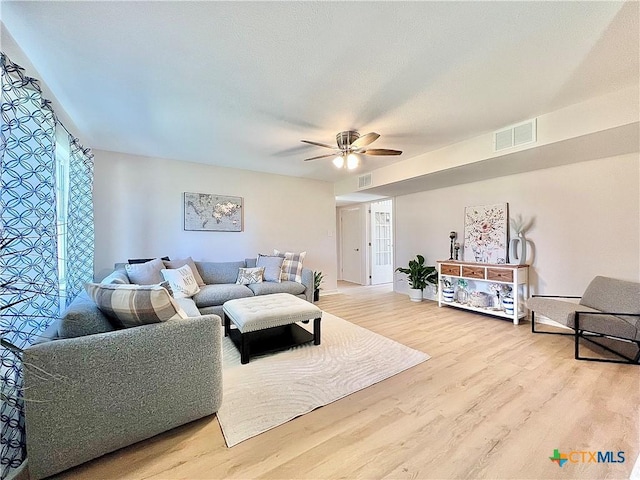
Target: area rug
[271, 390]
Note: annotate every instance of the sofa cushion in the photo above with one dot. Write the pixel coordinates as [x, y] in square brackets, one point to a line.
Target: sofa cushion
[608, 325]
[247, 276]
[188, 306]
[82, 317]
[186, 261]
[613, 296]
[133, 305]
[272, 267]
[291, 266]
[217, 294]
[267, 288]
[219, 272]
[182, 281]
[561, 311]
[148, 273]
[117, 277]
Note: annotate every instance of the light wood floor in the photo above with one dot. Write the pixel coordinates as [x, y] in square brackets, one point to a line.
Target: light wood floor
[494, 401]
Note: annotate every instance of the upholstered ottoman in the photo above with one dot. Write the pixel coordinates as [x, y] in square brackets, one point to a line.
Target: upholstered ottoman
[267, 323]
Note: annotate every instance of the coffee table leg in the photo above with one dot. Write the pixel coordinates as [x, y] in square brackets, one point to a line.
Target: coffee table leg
[227, 324]
[244, 348]
[316, 331]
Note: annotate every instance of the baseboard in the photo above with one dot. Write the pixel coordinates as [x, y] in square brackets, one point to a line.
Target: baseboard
[328, 292]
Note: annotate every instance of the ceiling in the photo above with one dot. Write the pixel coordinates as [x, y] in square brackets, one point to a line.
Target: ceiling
[239, 84]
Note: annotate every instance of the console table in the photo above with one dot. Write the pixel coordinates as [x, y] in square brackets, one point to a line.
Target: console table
[479, 277]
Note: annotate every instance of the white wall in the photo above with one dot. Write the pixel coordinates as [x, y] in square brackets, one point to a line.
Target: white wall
[586, 221]
[139, 213]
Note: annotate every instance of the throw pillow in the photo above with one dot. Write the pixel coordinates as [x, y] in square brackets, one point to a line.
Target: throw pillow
[134, 305]
[247, 276]
[148, 273]
[186, 261]
[292, 265]
[182, 281]
[117, 276]
[272, 267]
[133, 261]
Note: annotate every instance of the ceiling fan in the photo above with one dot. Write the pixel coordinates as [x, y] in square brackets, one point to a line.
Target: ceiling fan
[349, 143]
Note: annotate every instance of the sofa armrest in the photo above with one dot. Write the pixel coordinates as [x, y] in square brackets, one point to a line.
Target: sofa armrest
[308, 282]
[106, 391]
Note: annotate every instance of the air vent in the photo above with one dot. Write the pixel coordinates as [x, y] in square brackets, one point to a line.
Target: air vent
[364, 181]
[514, 136]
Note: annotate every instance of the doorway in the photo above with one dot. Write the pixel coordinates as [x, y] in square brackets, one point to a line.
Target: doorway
[351, 237]
[381, 257]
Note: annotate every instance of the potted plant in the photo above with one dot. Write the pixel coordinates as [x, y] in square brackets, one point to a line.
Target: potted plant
[317, 280]
[418, 275]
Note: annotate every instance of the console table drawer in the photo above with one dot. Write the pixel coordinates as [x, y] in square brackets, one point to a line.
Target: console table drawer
[472, 272]
[450, 270]
[500, 274]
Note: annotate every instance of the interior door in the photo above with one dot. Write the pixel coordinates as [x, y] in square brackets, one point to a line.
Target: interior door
[381, 242]
[351, 245]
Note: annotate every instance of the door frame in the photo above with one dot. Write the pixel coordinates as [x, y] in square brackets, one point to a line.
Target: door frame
[365, 248]
[363, 270]
[370, 259]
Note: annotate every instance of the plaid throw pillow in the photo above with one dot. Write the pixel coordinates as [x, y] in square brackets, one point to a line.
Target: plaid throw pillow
[291, 266]
[133, 305]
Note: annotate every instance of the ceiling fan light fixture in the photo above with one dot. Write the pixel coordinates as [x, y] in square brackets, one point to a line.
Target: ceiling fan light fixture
[339, 161]
[352, 161]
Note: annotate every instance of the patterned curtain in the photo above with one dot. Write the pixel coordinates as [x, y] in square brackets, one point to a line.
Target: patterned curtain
[80, 241]
[29, 259]
[29, 265]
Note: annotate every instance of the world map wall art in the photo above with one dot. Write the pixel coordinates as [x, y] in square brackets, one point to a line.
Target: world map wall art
[212, 213]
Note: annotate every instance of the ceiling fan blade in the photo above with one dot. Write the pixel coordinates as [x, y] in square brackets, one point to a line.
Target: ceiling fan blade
[320, 156]
[381, 151]
[319, 144]
[365, 140]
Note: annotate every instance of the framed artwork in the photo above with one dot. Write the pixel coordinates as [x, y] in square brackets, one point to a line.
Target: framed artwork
[209, 212]
[485, 233]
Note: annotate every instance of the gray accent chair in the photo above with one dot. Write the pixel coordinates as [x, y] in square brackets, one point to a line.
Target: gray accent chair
[104, 391]
[608, 308]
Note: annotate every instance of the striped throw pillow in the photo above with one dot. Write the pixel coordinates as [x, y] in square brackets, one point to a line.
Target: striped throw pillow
[133, 305]
[291, 266]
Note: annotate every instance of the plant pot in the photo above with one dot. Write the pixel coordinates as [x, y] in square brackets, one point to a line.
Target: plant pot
[316, 295]
[415, 294]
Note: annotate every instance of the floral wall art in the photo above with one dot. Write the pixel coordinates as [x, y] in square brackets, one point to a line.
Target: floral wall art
[485, 233]
[214, 213]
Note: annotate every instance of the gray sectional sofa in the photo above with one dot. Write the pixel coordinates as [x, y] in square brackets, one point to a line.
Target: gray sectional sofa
[106, 388]
[220, 285]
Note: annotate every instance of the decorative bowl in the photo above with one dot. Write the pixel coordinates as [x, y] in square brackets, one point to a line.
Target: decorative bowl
[479, 299]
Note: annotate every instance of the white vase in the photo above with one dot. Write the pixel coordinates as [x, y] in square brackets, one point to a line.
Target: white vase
[518, 250]
[507, 302]
[448, 294]
[415, 294]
